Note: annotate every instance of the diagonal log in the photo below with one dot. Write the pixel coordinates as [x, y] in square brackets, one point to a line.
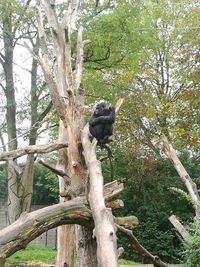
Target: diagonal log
[157, 262]
[179, 227]
[183, 174]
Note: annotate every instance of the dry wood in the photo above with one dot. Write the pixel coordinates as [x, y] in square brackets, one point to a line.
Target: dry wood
[103, 219]
[115, 204]
[30, 150]
[56, 83]
[179, 227]
[55, 170]
[185, 177]
[112, 189]
[140, 249]
[30, 225]
[13, 200]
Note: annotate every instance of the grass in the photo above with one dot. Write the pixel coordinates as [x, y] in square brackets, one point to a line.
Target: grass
[33, 254]
[127, 262]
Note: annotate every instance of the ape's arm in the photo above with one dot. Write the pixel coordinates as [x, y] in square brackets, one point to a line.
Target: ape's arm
[103, 119]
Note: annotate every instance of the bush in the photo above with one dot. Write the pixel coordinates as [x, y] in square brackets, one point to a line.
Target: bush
[192, 247]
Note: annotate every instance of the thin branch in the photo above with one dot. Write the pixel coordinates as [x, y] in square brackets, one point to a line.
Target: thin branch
[54, 170]
[17, 23]
[45, 112]
[140, 249]
[79, 58]
[2, 142]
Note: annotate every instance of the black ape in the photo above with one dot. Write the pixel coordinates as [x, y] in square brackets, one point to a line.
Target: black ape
[101, 123]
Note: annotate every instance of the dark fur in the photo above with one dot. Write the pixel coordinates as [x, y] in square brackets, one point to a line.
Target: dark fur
[101, 123]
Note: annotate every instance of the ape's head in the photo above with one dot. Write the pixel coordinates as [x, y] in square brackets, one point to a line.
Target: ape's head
[101, 109]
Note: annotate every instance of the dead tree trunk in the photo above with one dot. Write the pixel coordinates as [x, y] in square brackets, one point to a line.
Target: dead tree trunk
[8, 40]
[179, 227]
[104, 231]
[183, 174]
[67, 97]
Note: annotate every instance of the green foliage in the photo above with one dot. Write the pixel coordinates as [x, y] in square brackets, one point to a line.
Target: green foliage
[145, 52]
[3, 181]
[34, 254]
[192, 246]
[45, 188]
[127, 262]
[147, 195]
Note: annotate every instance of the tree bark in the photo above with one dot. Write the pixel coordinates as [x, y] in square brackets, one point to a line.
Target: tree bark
[157, 262]
[13, 200]
[30, 225]
[26, 181]
[8, 40]
[183, 174]
[179, 227]
[68, 99]
[86, 247]
[103, 219]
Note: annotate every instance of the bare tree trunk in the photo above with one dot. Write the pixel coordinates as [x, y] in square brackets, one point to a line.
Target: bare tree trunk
[66, 233]
[179, 227]
[26, 182]
[183, 174]
[86, 247]
[105, 231]
[67, 97]
[66, 245]
[13, 201]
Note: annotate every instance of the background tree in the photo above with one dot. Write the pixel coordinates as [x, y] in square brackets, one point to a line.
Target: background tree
[16, 26]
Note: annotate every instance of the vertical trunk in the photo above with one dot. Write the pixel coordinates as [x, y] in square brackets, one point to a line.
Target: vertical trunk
[69, 103]
[13, 201]
[105, 230]
[66, 233]
[86, 248]
[66, 245]
[2, 261]
[8, 70]
[70, 161]
[26, 186]
[26, 182]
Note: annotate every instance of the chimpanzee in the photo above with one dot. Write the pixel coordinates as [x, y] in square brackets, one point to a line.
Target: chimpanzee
[101, 123]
